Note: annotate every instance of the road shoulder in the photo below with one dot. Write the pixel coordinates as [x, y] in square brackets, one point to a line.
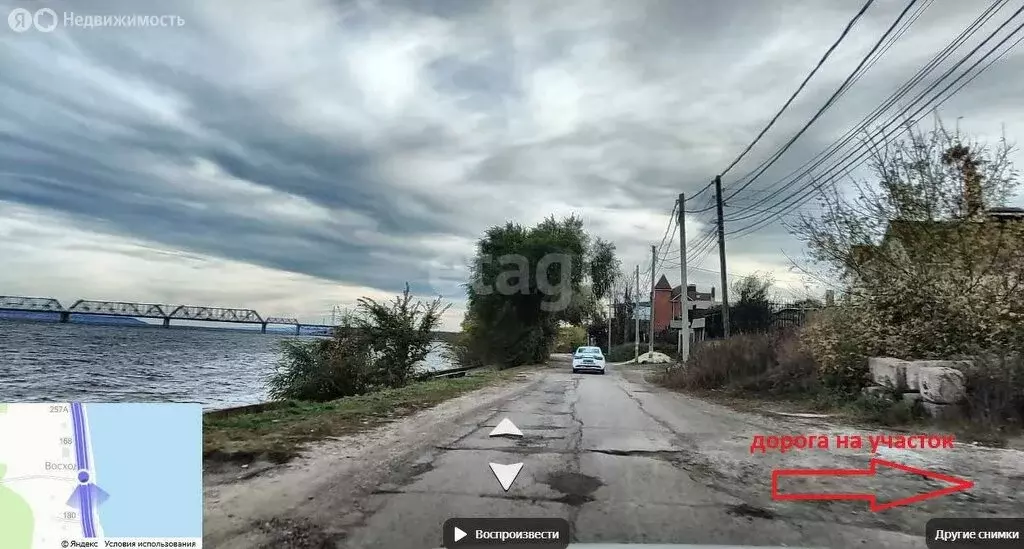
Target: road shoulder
[716, 448]
[331, 477]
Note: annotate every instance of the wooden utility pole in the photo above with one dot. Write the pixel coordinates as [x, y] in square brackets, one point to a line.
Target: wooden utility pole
[721, 257]
[611, 311]
[650, 322]
[636, 319]
[684, 294]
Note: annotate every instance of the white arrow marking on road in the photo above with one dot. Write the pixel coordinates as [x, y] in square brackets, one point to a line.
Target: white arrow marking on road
[506, 427]
[506, 474]
[459, 534]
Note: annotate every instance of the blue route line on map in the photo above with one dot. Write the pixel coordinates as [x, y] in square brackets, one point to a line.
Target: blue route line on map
[82, 454]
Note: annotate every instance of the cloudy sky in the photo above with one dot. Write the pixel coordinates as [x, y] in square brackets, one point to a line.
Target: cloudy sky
[292, 155]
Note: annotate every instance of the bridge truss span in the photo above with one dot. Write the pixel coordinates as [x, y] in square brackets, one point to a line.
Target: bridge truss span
[281, 320]
[216, 314]
[119, 308]
[41, 304]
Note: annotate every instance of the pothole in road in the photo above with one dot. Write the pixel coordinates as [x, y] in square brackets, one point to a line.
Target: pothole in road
[746, 510]
[577, 487]
[289, 534]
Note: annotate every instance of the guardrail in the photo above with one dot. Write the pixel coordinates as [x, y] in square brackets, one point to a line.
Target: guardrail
[451, 372]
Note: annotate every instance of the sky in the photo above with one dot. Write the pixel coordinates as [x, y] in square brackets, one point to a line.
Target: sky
[293, 156]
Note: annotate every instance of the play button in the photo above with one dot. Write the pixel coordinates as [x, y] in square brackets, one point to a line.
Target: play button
[506, 533]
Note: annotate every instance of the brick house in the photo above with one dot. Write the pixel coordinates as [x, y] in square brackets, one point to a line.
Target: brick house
[668, 310]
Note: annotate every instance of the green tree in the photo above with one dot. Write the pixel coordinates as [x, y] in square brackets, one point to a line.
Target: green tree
[525, 280]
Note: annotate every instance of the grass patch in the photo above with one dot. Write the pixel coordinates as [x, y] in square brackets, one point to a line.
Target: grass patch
[279, 432]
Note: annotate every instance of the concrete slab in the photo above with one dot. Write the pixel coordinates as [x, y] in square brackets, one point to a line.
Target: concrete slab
[889, 372]
[943, 385]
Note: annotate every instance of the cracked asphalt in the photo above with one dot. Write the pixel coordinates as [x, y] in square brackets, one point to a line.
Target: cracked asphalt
[621, 460]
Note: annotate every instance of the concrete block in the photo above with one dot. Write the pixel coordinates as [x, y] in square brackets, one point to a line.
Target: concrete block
[913, 375]
[889, 372]
[942, 385]
[942, 412]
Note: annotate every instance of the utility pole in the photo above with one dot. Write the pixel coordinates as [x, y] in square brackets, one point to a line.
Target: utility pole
[684, 294]
[611, 311]
[721, 257]
[636, 319]
[650, 323]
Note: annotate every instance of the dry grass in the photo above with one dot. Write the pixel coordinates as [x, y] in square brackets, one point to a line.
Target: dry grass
[279, 431]
[754, 363]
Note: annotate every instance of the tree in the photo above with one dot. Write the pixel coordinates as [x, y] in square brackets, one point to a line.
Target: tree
[750, 310]
[525, 281]
[928, 273]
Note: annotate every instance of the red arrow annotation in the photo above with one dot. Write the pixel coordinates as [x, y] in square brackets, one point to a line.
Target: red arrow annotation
[958, 484]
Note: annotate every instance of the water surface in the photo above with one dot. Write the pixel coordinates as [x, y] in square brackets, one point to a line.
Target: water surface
[41, 361]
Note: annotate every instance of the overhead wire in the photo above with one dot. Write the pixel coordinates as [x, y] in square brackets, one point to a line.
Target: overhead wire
[865, 149]
[800, 88]
[828, 103]
[869, 119]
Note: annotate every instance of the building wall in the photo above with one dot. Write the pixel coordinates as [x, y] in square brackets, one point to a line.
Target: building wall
[663, 310]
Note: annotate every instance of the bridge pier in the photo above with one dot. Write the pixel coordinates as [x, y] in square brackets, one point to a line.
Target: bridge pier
[167, 322]
[263, 327]
[65, 316]
[298, 327]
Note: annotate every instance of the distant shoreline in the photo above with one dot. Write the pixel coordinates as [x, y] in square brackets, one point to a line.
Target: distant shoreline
[123, 321]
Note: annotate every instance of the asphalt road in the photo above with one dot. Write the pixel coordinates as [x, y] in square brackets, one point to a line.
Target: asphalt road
[621, 460]
[597, 452]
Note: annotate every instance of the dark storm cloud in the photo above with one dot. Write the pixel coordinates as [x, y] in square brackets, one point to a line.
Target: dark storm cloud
[370, 142]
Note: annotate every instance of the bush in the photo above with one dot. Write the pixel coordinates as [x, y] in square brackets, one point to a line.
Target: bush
[315, 371]
[995, 389]
[839, 340]
[885, 408]
[380, 346]
[623, 353]
[569, 338]
[772, 364]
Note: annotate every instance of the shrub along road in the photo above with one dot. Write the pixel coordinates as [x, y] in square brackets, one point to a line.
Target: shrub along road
[620, 459]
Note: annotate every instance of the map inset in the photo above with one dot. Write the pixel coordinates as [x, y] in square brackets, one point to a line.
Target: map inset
[74, 471]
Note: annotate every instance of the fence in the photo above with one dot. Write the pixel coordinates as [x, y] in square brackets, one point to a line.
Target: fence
[758, 317]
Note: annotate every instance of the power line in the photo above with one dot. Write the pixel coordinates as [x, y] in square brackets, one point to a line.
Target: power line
[831, 100]
[911, 118]
[836, 145]
[842, 36]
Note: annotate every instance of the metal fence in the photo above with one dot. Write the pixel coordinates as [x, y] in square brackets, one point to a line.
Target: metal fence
[764, 317]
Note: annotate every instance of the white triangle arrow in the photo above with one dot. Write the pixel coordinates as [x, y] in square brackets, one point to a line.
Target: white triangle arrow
[506, 427]
[506, 474]
[459, 534]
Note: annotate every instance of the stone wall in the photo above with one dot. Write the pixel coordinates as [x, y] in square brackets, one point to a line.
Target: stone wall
[939, 385]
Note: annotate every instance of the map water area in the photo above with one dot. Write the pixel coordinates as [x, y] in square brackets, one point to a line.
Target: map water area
[99, 475]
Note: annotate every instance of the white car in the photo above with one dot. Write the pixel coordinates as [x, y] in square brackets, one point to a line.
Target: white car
[588, 359]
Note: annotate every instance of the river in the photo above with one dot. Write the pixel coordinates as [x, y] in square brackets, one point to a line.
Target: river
[41, 361]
